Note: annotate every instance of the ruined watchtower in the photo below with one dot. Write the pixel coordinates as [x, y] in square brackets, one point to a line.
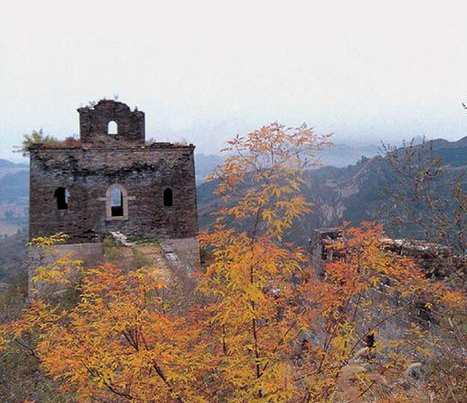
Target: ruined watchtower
[112, 180]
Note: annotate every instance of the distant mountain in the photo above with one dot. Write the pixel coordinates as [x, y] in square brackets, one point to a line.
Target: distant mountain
[339, 193]
[11, 164]
[351, 194]
[14, 182]
[14, 186]
[360, 192]
[6, 164]
[453, 153]
[342, 155]
[14, 193]
[205, 164]
[8, 167]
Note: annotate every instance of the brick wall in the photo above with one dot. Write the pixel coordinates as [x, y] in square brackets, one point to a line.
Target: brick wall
[93, 122]
[87, 170]
[145, 172]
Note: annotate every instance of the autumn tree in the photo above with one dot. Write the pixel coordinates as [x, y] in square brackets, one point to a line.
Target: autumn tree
[376, 316]
[263, 327]
[426, 198]
[251, 275]
[283, 333]
[121, 340]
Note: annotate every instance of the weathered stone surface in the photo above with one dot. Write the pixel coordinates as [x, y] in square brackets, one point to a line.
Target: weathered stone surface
[94, 122]
[120, 239]
[91, 254]
[182, 253]
[87, 172]
[176, 258]
[434, 259]
[319, 241]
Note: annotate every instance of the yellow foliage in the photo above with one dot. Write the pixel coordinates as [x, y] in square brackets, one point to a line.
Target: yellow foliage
[266, 328]
[48, 241]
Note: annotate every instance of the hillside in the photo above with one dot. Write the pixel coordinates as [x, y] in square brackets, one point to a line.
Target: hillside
[389, 299]
[14, 184]
[354, 193]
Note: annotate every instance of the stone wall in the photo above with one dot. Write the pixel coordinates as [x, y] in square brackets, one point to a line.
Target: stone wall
[436, 261]
[178, 258]
[183, 253]
[88, 172]
[93, 122]
[318, 248]
[91, 254]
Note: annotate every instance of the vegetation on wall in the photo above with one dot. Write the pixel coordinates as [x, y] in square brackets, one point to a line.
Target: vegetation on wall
[262, 325]
[39, 138]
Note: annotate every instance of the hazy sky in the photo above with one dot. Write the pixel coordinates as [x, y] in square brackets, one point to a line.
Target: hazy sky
[205, 70]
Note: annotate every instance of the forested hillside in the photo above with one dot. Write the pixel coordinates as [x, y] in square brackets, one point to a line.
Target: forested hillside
[14, 184]
[354, 317]
[371, 190]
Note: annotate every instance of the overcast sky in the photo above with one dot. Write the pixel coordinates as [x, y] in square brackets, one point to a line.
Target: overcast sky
[205, 70]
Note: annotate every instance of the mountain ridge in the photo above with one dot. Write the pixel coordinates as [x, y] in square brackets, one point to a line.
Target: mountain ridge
[354, 193]
[338, 194]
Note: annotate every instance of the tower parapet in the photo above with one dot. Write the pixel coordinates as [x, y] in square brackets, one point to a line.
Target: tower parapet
[112, 181]
[113, 119]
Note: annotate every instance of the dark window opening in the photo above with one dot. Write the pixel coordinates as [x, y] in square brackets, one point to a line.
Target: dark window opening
[168, 197]
[117, 202]
[62, 195]
[112, 127]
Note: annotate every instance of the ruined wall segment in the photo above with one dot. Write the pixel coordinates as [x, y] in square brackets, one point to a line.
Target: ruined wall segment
[94, 123]
[436, 261]
[73, 188]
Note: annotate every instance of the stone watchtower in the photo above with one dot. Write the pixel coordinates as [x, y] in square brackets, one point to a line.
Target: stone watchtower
[112, 180]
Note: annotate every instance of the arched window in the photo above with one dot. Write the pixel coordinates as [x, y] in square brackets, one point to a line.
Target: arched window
[168, 197]
[116, 200]
[112, 127]
[62, 195]
[117, 203]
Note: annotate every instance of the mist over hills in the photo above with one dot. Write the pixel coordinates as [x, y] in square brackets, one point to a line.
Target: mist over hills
[339, 155]
[14, 196]
[348, 187]
[9, 167]
[353, 193]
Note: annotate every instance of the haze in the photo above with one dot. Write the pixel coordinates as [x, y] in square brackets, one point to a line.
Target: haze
[204, 71]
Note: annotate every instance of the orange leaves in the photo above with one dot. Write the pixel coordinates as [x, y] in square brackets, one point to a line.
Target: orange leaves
[63, 272]
[119, 337]
[260, 180]
[48, 241]
[36, 319]
[119, 340]
[278, 142]
[453, 299]
[250, 278]
[364, 263]
[366, 289]
[249, 286]
[268, 329]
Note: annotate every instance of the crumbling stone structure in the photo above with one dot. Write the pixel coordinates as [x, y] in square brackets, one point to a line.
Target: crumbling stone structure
[94, 123]
[319, 247]
[437, 261]
[112, 180]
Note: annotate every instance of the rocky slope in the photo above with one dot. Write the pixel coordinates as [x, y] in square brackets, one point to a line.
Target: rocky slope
[355, 193]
